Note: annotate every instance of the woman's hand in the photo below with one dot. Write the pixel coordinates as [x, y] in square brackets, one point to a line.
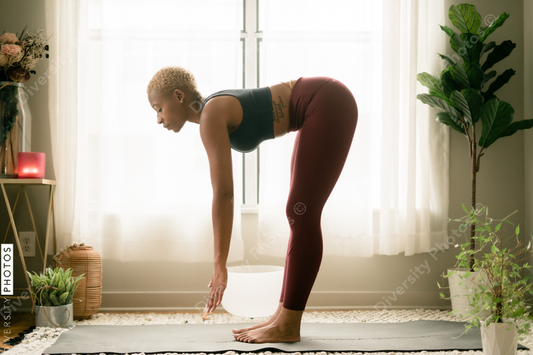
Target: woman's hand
[218, 284]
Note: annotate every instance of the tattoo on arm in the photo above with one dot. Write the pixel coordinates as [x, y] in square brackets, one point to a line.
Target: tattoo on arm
[278, 109]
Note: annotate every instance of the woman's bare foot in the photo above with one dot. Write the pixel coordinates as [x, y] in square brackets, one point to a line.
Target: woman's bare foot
[260, 325]
[284, 329]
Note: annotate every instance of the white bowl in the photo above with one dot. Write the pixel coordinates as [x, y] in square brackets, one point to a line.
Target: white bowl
[253, 290]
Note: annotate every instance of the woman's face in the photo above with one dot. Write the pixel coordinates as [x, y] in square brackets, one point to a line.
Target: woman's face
[169, 108]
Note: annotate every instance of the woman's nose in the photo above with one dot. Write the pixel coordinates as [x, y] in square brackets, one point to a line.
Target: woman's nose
[159, 119]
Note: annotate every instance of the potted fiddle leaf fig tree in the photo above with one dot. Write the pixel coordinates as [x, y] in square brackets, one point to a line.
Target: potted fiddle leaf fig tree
[465, 94]
[53, 294]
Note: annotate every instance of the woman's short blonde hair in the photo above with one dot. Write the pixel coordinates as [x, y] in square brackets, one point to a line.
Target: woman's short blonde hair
[168, 79]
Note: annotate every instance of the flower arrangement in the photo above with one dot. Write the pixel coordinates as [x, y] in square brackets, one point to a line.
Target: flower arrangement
[19, 55]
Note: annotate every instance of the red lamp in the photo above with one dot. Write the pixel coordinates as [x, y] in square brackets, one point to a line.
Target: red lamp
[31, 165]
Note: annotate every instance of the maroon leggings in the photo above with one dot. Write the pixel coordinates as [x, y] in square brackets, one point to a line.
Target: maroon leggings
[324, 113]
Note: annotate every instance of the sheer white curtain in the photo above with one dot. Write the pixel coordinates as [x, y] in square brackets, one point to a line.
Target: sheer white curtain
[141, 192]
[392, 196]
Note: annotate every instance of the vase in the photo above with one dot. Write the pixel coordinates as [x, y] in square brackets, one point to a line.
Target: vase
[460, 290]
[84, 260]
[499, 338]
[15, 121]
[54, 317]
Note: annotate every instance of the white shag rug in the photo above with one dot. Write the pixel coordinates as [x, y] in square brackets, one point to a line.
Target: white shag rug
[41, 338]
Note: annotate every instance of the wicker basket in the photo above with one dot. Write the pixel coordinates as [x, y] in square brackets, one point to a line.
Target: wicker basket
[83, 260]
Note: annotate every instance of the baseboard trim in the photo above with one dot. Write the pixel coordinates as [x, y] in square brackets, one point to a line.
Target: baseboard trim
[167, 301]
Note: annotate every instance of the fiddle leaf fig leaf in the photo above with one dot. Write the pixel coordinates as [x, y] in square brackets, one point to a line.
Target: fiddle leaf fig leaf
[496, 116]
[475, 101]
[445, 118]
[458, 101]
[474, 74]
[439, 103]
[500, 52]
[429, 81]
[448, 30]
[515, 126]
[500, 81]
[486, 31]
[487, 47]
[465, 17]
[459, 47]
[450, 61]
[459, 75]
[488, 76]
[448, 83]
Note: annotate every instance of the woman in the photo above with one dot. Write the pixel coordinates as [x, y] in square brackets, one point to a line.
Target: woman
[324, 113]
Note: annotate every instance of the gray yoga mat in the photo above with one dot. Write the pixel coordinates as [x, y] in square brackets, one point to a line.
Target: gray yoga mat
[217, 338]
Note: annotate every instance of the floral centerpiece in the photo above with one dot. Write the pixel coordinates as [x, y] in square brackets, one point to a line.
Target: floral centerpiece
[18, 57]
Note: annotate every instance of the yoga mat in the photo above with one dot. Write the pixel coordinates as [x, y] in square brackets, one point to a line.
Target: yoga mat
[217, 338]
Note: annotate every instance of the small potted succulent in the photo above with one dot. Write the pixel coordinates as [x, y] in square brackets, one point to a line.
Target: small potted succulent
[53, 294]
[499, 295]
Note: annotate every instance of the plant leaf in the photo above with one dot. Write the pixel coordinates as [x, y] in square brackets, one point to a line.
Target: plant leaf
[459, 75]
[433, 83]
[488, 76]
[448, 30]
[439, 103]
[500, 81]
[473, 46]
[465, 17]
[475, 101]
[496, 117]
[474, 74]
[444, 117]
[515, 126]
[458, 100]
[487, 47]
[448, 82]
[459, 47]
[500, 52]
[486, 31]
[446, 58]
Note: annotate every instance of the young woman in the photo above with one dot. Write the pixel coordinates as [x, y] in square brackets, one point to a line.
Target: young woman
[324, 113]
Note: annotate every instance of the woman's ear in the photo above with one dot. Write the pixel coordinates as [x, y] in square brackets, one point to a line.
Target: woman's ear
[180, 95]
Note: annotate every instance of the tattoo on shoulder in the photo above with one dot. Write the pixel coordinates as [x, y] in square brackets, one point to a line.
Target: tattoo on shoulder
[278, 109]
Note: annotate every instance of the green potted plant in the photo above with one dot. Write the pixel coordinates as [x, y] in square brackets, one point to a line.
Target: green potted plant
[53, 294]
[498, 297]
[465, 94]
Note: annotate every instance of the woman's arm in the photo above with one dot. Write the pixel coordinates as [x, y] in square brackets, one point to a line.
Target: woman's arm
[214, 133]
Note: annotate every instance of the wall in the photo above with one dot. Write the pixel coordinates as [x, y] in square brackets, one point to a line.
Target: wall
[342, 282]
[14, 16]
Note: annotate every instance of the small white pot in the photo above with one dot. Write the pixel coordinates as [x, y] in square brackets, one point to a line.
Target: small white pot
[54, 317]
[460, 289]
[499, 338]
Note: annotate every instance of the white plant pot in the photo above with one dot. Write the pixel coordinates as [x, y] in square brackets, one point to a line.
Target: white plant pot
[54, 317]
[499, 338]
[460, 289]
[253, 290]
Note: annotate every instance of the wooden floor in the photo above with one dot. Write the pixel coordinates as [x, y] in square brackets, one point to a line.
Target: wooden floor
[14, 325]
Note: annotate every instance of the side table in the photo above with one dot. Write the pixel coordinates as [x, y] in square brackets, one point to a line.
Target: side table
[22, 183]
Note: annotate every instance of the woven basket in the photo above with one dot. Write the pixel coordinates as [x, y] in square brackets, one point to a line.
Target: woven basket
[84, 260]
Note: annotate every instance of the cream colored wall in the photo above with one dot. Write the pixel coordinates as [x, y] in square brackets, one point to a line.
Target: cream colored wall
[342, 282]
[14, 16]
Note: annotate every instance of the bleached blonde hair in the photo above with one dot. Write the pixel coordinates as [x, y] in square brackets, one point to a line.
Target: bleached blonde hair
[168, 79]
